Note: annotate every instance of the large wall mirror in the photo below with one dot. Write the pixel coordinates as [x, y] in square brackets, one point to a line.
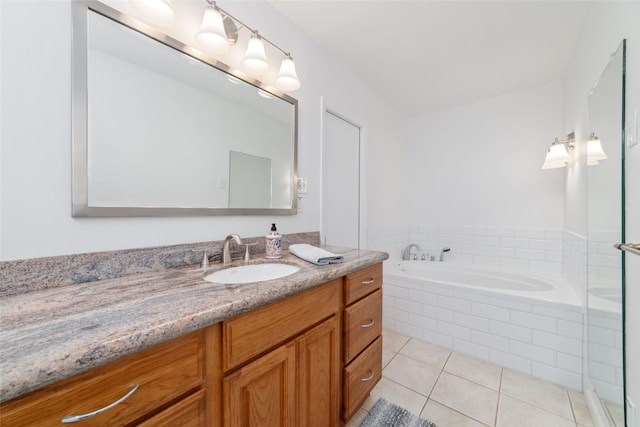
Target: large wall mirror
[161, 129]
[605, 304]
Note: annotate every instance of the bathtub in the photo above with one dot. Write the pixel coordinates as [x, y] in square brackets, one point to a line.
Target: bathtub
[531, 323]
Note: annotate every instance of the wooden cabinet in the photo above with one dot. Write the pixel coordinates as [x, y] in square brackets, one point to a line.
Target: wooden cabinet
[165, 382]
[296, 383]
[362, 337]
[304, 361]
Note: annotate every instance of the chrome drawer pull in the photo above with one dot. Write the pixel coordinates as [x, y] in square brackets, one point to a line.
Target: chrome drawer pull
[368, 282]
[368, 325]
[364, 380]
[76, 418]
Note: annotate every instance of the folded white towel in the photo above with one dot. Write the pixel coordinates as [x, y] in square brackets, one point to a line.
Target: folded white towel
[315, 255]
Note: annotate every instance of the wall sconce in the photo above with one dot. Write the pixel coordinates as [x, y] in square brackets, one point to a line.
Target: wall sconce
[557, 154]
[219, 31]
[595, 153]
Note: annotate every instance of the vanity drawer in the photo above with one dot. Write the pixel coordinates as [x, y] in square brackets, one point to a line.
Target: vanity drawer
[162, 374]
[361, 283]
[362, 324]
[360, 376]
[259, 330]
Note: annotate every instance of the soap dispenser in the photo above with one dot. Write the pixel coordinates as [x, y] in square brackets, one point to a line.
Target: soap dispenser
[274, 243]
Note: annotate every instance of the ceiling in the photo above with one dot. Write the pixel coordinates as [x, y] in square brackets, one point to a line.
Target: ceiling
[427, 55]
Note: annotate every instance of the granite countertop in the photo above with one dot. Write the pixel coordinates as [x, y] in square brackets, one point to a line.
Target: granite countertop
[51, 334]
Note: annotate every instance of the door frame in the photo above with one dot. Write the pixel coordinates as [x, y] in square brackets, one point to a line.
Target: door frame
[327, 107]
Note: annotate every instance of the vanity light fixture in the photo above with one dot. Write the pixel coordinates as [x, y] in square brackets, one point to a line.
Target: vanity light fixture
[218, 24]
[158, 12]
[595, 153]
[212, 35]
[255, 60]
[557, 155]
[287, 78]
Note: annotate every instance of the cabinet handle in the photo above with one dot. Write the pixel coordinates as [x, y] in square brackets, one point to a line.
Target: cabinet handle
[76, 418]
[368, 282]
[368, 325]
[364, 380]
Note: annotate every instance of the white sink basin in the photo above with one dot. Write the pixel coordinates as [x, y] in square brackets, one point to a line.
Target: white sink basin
[251, 273]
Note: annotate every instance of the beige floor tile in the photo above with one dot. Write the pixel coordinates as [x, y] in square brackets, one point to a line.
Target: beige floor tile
[395, 393]
[387, 355]
[616, 412]
[516, 413]
[443, 416]
[539, 393]
[412, 374]
[469, 398]
[429, 354]
[393, 341]
[475, 370]
[357, 418]
[580, 409]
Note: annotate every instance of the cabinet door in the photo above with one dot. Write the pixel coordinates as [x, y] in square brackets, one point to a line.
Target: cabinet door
[319, 375]
[262, 393]
[189, 412]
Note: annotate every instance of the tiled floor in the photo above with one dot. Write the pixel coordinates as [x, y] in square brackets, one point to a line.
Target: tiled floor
[454, 390]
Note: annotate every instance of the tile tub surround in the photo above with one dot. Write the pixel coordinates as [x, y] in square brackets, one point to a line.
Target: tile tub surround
[532, 249]
[539, 338]
[42, 273]
[51, 334]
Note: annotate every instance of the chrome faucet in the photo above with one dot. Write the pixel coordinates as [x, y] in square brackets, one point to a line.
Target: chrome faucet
[406, 254]
[226, 254]
[442, 253]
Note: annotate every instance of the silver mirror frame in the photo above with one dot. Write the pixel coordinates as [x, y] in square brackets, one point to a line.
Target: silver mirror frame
[79, 152]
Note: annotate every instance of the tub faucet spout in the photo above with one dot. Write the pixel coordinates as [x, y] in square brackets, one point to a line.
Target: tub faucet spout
[406, 254]
[442, 253]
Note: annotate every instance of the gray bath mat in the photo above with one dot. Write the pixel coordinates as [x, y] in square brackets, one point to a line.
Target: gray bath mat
[387, 414]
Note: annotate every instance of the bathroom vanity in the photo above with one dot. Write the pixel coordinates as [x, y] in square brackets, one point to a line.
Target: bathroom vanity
[301, 350]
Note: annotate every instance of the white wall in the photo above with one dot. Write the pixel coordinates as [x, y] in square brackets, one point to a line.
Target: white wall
[35, 196]
[480, 164]
[607, 24]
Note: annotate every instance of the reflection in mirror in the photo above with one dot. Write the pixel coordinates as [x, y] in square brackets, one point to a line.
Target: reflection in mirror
[249, 181]
[605, 310]
[154, 126]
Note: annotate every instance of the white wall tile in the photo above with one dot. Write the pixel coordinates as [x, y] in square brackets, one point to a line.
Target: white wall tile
[533, 321]
[454, 304]
[508, 330]
[559, 376]
[490, 311]
[569, 363]
[533, 352]
[478, 351]
[520, 364]
[570, 329]
[559, 343]
[452, 330]
[471, 322]
[490, 340]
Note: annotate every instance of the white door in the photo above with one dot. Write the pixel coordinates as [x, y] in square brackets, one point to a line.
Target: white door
[341, 182]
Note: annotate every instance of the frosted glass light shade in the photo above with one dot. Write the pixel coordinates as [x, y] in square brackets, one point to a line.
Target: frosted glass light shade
[557, 156]
[287, 78]
[211, 35]
[255, 60]
[595, 153]
[157, 12]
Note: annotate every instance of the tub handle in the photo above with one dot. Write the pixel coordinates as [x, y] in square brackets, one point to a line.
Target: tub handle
[364, 380]
[368, 325]
[76, 418]
[369, 282]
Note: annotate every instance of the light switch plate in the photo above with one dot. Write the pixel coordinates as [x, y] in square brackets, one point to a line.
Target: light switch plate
[302, 185]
